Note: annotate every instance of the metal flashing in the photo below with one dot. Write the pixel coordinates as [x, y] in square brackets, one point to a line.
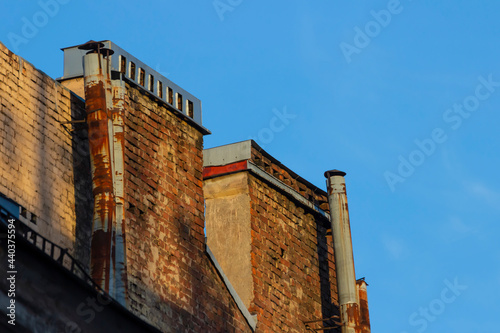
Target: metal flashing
[124, 62]
[251, 320]
[242, 150]
[285, 188]
[248, 165]
[227, 154]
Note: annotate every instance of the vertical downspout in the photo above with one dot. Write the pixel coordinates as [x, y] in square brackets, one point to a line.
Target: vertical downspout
[105, 115]
[118, 118]
[344, 260]
[364, 316]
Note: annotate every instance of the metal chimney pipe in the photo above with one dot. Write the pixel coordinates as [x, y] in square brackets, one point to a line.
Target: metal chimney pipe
[364, 315]
[104, 103]
[119, 287]
[342, 242]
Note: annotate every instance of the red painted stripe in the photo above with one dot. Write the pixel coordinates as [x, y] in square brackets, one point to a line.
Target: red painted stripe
[212, 171]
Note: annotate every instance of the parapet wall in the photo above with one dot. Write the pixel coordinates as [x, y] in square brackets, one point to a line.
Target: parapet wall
[273, 167]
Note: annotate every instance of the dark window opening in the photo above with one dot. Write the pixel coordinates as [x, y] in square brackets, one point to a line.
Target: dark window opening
[159, 86]
[123, 64]
[190, 109]
[179, 102]
[142, 76]
[170, 96]
[132, 71]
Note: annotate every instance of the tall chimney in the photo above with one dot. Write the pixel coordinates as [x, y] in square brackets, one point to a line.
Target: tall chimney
[104, 103]
[344, 260]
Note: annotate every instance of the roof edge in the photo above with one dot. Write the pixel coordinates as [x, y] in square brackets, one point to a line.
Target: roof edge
[251, 320]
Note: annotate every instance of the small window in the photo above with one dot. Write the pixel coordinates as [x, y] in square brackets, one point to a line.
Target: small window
[151, 83]
[179, 102]
[170, 96]
[123, 64]
[142, 76]
[159, 88]
[131, 74]
[190, 109]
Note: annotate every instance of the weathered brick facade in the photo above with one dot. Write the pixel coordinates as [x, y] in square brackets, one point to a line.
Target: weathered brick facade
[292, 256]
[39, 156]
[268, 228]
[273, 167]
[171, 280]
[283, 242]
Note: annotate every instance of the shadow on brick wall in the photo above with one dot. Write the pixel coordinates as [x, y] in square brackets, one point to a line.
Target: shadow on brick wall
[82, 182]
[328, 307]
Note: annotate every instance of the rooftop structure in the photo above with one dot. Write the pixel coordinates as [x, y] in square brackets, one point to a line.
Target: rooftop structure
[105, 181]
[135, 72]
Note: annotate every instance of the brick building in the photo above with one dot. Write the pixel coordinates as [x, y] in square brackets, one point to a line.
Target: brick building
[103, 174]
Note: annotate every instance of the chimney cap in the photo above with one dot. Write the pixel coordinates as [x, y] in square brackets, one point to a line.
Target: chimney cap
[96, 47]
[334, 172]
[91, 45]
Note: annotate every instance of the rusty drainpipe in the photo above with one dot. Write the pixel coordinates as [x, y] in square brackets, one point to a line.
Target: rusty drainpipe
[118, 118]
[344, 259]
[364, 316]
[104, 113]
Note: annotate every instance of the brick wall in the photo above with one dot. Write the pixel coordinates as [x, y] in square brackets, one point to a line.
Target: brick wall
[172, 283]
[292, 257]
[45, 167]
[38, 156]
[267, 163]
[275, 245]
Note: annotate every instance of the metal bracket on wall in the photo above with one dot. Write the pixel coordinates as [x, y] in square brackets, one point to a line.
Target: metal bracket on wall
[336, 324]
[69, 130]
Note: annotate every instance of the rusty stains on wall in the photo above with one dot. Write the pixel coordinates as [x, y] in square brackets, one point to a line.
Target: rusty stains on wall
[105, 108]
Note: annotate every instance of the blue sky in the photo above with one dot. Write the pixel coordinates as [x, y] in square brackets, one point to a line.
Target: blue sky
[408, 105]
